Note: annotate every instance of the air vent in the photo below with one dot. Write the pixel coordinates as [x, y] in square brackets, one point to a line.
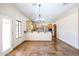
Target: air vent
[65, 4]
[34, 4]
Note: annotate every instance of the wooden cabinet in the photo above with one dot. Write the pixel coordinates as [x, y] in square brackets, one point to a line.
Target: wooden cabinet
[49, 26]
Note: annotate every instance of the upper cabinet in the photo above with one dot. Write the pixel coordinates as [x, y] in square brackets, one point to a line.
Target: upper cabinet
[29, 25]
[49, 26]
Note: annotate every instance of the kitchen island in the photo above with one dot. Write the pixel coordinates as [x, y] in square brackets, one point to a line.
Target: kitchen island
[38, 36]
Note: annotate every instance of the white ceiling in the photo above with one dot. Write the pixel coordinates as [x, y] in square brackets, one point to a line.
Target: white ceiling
[48, 11]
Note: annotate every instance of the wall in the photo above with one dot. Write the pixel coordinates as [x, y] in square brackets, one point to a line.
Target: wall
[10, 11]
[78, 28]
[0, 38]
[67, 28]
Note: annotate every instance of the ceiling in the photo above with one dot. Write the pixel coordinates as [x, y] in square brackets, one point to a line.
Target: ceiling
[48, 11]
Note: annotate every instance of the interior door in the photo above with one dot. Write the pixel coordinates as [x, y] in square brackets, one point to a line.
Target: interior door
[6, 35]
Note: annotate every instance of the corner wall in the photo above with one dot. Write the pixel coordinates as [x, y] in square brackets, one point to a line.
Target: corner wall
[12, 12]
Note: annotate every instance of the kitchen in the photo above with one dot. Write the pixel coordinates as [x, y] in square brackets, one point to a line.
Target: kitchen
[42, 31]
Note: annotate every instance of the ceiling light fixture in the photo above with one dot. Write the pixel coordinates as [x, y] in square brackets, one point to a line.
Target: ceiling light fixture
[38, 19]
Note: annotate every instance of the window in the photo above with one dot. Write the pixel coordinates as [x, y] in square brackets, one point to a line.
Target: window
[18, 29]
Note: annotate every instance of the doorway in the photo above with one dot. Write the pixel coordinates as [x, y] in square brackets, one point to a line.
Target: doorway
[6, 35]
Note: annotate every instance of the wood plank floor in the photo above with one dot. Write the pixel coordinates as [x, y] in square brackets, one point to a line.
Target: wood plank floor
[43, 49]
